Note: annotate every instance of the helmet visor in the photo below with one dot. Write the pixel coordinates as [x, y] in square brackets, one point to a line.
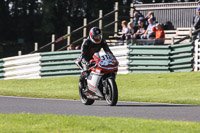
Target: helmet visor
[97, 37]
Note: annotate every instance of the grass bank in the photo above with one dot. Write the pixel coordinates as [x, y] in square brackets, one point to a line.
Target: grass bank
[21, 123]
[181, 88]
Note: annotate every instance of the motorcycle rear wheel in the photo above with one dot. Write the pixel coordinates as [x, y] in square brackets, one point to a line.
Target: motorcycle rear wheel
[112, 94]
[84, 98]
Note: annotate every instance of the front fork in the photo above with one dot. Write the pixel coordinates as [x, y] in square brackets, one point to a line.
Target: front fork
[105, 82]
[105, 86]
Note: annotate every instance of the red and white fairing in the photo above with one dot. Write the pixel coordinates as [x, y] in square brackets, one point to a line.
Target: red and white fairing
[104, 64]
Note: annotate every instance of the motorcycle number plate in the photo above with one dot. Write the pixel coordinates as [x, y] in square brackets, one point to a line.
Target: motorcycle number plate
[106, 60]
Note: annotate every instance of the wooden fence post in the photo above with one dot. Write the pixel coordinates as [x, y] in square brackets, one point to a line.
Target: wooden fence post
[68, 38]
[53, 45]
[172, 41]
[190, 33]
[116, 18]
[36, 46]
[19, 53]
[131, 12]
[100, 21]
[85, 28]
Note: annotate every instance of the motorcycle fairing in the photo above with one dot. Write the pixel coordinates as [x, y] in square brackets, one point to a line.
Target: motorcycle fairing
[93, 83]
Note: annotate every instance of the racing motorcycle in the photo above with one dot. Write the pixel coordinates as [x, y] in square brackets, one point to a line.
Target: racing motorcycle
[100, 84]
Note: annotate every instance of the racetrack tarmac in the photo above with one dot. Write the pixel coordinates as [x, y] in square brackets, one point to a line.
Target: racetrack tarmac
[180, 112]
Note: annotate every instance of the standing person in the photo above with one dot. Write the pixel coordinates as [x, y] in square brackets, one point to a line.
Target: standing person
[196, 23]
[160, 34]
[149, 34]
[91, 45]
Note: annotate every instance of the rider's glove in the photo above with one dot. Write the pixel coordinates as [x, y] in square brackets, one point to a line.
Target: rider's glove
[85, 74]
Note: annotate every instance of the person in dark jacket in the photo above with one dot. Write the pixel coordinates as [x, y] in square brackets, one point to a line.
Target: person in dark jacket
[91, 45]
[196, 23]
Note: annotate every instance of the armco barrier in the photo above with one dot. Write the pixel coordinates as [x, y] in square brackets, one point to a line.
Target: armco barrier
[63, 63]
[170, 58]
[51, 64]
[148, 59]
[132, 59]
[19, 67]
[181, 57]
[59, 63]
[1, 69]
[197, 56]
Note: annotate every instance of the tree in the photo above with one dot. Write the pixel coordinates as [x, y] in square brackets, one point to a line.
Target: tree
[5, 20]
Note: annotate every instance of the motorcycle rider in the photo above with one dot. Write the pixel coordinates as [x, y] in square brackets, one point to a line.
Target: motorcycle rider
[91, 45]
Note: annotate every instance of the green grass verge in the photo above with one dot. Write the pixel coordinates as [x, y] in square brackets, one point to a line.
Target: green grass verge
[181, 88]
[25, 123]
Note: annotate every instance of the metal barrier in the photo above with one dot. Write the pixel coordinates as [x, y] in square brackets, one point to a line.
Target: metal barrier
[181, 57]
[148, 59]
[18, 67]
[170, 58]
[59, 63]
[51, 64]
[1, 69]
[197, 56]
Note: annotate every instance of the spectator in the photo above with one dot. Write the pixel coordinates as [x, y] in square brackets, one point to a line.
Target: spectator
[149, 15]
[160, 34]
[71, 47]
[141, 29]
[124, 29]
[196, 24]
[149, 34]
[136, 19]
[78, 47]
[131, 31]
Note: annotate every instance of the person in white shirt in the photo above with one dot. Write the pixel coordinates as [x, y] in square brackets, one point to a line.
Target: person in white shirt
[124, 29]
[149, 34]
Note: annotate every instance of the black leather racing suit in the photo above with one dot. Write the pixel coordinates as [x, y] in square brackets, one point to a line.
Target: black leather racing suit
[87, 51]
[89, 48]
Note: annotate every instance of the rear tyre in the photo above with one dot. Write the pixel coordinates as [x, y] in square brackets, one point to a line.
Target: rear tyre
[112, 93]
[83, 97]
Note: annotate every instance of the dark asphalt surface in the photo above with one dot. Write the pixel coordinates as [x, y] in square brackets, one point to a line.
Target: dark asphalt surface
[178, 112]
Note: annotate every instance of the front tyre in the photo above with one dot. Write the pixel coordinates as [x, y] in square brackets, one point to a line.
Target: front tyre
[83, 97]
[111, 95]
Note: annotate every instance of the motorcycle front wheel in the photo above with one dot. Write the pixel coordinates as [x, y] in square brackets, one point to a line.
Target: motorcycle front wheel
[83, 97]
[112, 93]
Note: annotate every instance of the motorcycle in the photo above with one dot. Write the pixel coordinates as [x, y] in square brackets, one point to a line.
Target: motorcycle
[100, 84]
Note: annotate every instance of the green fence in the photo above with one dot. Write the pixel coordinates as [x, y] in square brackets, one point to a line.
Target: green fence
[181, 57]
[1, 69]
[170, 58]
[59, 63]
[148, 59]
